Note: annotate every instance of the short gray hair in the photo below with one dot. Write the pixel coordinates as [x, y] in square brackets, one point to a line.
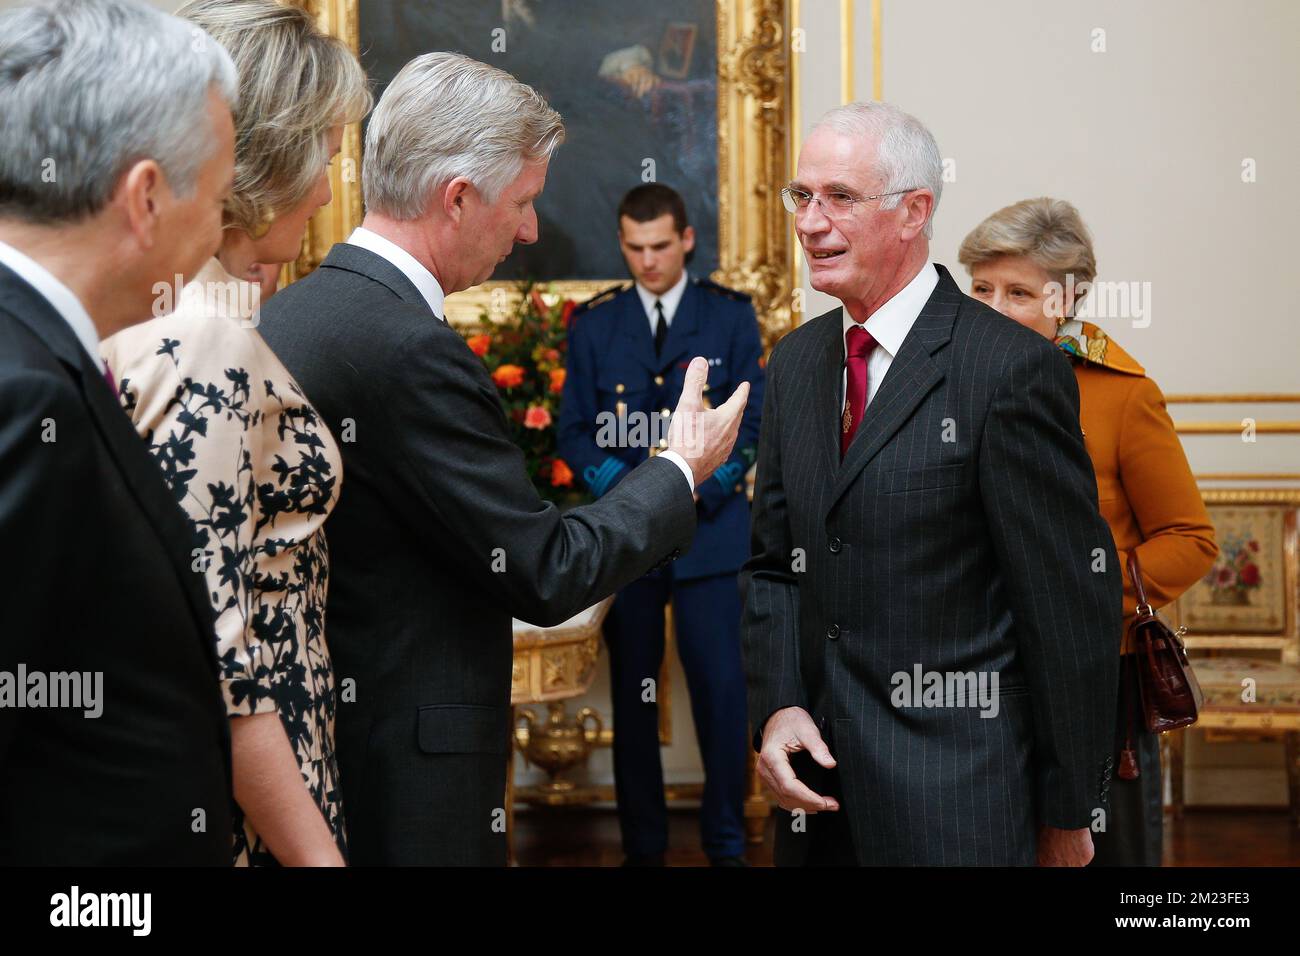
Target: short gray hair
[907, 156]
[295, 83]
[1049, 232]
[446, 115]
[88, 87]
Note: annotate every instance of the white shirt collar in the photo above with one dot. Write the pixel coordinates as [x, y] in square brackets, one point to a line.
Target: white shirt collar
[670, 299]
[63, 299]
[890, 323]
[410, 267]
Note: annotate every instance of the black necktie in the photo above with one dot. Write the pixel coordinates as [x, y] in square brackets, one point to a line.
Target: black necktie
[661, 327]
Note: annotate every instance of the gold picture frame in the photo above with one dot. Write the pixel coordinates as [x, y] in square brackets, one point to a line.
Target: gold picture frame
[755, 248]
[1215, 628]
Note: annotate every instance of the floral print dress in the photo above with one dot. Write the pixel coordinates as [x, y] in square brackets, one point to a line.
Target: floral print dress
[257, 472]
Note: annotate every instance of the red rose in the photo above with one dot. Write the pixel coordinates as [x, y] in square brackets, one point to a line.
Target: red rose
[537, 417]
[508, 376]
[478, 344]
[561, 476]
[1250, 575]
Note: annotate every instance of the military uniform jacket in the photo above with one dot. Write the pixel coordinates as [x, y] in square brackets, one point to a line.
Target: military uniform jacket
[616, 388]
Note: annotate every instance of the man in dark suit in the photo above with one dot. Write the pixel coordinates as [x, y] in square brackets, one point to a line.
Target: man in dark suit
[440, 537]
[933, 596]
[114, 744]
[627, 359]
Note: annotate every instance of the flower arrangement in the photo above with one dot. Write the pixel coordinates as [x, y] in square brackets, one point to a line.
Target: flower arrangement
[1236, 572]
[524, 354]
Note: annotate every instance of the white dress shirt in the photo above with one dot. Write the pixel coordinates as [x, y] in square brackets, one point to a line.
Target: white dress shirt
[429, 287]
[670, 300]
[889, 325]
[63, 299]
[409, 266]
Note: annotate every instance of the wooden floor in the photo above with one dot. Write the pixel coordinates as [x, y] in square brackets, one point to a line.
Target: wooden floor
[590, 837]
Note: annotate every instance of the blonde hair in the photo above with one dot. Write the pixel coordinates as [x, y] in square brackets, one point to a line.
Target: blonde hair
[295, 84]
[1048, 231]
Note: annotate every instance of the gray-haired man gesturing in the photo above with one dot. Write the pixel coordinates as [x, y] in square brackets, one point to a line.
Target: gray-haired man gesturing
[440, 537]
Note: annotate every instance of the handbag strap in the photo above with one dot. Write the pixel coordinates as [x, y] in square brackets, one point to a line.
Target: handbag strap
[1144, 608]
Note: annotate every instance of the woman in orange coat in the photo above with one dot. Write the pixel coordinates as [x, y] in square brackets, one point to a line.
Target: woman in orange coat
[1021, 259]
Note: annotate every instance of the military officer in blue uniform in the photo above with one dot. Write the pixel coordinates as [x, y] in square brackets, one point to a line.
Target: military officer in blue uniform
[627, 358]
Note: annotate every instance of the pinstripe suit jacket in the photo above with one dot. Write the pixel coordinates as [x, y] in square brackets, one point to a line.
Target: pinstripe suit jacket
[961, 535]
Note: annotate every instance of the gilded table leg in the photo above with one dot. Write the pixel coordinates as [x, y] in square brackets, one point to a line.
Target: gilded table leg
[757, 809]
[1293, 773]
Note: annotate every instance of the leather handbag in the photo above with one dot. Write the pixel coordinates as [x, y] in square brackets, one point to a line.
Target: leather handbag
[1169, 692]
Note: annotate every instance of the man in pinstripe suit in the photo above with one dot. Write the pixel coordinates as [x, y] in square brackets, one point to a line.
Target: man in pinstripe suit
[925, 524]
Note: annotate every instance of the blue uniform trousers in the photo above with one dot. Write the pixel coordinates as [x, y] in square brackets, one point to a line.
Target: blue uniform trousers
[707, 617]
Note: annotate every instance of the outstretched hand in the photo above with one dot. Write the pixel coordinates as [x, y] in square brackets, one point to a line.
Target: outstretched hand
[703, 436]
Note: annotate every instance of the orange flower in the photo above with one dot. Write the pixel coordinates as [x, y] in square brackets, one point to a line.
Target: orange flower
[508, 376]
[552, 355]
[537, 417]
[557, 380]
[561, 476]
[478, 344]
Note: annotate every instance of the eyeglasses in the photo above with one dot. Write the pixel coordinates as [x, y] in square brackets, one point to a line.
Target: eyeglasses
[834, 205]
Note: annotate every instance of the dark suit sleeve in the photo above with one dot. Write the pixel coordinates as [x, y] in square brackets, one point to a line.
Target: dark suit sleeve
[472, 494]
[577, 428]
[43, 455]
[770, 620]
[1062, 577]
[746, 357]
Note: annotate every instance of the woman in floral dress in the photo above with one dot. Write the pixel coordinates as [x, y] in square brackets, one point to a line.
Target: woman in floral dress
[244, 452]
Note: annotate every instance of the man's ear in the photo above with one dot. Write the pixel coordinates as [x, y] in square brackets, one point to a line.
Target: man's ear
[142, 193]
[688, 238]
[454, 196]
[918, 205]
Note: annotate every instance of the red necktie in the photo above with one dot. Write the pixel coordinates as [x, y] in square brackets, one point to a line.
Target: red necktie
[859, 345]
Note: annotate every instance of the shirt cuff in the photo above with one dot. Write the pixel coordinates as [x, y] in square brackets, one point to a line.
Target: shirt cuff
[680, 462]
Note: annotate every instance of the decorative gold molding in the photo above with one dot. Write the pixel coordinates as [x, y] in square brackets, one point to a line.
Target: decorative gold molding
[1249, 476]
[333, 222]
[1234, 398]
[754, 247]
[1234, 428]
[1231, 398]
[846, 51]
[877, 52]
[753, 126]
[795, 139]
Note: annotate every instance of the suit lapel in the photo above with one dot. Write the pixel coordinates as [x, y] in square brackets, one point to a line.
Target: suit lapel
[635, 327]
[911, 376]
[682, 331]
[816, 399]
[125, 447]
[827, 398]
